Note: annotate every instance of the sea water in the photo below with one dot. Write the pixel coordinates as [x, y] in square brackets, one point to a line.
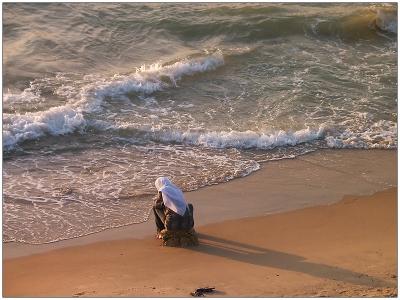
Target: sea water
[99, 99]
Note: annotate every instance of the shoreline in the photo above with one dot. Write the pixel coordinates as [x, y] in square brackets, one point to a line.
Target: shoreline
[326, 176]
[345, 249]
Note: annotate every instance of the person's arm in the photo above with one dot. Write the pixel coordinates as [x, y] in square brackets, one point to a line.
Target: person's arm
[158, 201]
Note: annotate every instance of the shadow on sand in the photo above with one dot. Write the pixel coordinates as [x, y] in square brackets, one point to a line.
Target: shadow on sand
[281, 260]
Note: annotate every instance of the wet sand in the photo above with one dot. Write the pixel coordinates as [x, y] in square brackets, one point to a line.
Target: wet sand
[347, 248]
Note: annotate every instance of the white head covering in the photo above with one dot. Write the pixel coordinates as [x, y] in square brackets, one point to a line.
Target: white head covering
[172, 195]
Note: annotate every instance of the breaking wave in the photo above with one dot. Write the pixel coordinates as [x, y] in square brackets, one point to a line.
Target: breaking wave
[381, 135]
[55, 121]
[238, 139]
[68, 118]
[386, 19]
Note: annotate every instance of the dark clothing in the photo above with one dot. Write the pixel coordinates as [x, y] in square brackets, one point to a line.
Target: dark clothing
[170, 220]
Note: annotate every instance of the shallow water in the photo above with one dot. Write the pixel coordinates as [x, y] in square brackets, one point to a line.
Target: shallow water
[100, 99]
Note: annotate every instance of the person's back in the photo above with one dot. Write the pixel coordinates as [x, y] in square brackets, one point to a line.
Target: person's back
[174, 221]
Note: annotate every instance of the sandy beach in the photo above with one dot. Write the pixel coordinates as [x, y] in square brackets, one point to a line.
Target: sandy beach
[290, 229]
[278, 121]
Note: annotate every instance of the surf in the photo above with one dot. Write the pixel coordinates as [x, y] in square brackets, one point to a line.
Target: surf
[64, 119]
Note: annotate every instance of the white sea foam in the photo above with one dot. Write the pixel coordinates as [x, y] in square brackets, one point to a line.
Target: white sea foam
[230, 139]
[70, 117]
[242, 140]
[380, 135]
[55, 121]
[147, 79]
[75, 194]
[26, 96]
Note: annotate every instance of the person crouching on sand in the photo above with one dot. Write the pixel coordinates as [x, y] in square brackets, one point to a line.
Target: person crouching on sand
[171, 210]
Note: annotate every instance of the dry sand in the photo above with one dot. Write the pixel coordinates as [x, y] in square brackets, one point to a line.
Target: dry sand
[343, 249]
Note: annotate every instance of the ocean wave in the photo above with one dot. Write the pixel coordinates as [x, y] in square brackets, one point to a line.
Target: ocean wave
[386, 19]
[347, 23]
[55, 121]
[225, 139]
[70, 117]
[147, 79]
[241, 139]
[380, 135]
[26, 96]
[359, 24]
